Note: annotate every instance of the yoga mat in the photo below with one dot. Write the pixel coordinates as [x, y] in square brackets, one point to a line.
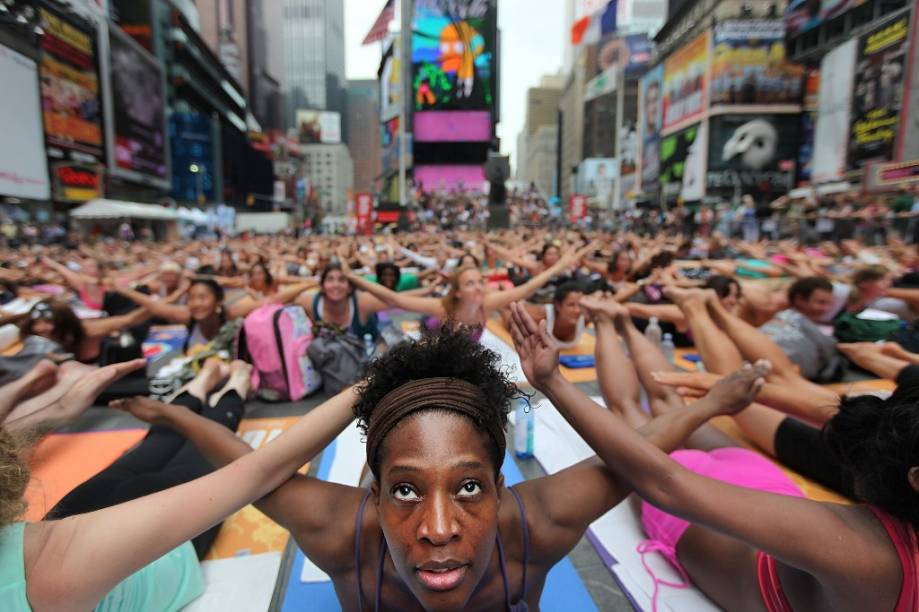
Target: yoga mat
[496, 331]
[309, 589]
[63, 461]
[249, 532]
[243, 584]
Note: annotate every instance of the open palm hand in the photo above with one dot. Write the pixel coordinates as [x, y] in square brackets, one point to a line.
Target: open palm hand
[538, 352]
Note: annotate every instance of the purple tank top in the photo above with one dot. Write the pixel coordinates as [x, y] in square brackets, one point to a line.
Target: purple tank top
[520, 606]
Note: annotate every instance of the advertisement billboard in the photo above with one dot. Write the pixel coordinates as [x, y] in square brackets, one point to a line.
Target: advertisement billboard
[450, 178]
[597, 178]
[686, 82]
[831, 133]
[749, 64]
[452, 126]
[878, 93]
[804, 15]
[454, 54]
[318, 127]
[70, 108]
[650, 122]
[137, 143]
[631, 52]
[683, 156]
[808, 125]
[23, 165]
[390, 83]
[755, 154]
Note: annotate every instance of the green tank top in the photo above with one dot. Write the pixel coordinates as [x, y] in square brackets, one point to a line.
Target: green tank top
[168, 584]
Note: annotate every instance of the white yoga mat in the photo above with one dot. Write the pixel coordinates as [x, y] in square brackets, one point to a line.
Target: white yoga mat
[240, 584]
[350, 456]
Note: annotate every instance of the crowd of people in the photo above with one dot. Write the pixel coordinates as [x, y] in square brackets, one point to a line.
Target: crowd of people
[775, 313]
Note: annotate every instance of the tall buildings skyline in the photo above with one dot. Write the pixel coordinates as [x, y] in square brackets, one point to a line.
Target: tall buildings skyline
[314, 56]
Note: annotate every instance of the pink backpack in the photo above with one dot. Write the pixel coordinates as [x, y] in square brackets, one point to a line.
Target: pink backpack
[274, 339]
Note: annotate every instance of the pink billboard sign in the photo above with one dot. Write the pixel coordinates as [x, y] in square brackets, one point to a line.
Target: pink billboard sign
[449, 178]
[452, 126]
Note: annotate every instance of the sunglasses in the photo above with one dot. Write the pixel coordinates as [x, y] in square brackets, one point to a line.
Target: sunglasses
[41, 311]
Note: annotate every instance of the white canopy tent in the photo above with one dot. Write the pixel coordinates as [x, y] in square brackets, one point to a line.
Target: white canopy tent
[117, 209]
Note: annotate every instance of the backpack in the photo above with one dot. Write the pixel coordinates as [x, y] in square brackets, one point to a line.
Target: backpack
[274, 339]
[339, 357]
[848, 327]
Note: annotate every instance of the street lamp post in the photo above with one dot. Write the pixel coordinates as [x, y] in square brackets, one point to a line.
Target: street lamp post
[198, 171]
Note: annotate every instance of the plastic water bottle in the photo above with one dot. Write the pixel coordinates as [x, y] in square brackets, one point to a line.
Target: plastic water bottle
[524, 424]
[370, 346]
[653, 332]
[668, 347]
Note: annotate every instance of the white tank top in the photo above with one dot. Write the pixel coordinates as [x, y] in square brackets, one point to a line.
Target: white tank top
[550, 326]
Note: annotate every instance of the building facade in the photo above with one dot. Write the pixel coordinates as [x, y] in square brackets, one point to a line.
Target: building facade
[330, 172]
[362, 126]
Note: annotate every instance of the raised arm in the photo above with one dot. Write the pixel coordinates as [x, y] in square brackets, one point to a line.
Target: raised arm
[158, 308]
[501, 299]
[509, 256]
[390, 299]
[74, 279]
[75, 562]
[781, 526]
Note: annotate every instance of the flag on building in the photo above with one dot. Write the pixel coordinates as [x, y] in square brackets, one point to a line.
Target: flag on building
[380, 28]
[589, 29]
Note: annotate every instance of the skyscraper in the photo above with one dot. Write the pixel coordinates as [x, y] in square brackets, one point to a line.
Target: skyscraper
[314, 54]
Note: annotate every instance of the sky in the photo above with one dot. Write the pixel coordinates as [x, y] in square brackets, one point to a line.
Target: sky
[532, 39]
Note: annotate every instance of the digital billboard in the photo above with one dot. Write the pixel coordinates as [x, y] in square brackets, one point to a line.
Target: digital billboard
[23, 165]
[452, 126]
[137, 132]
[315, 127]
[448, 178]
[749, 64]
[878, 93]
[454, 54]
[650, 121]
[683, 164]
[71, 109]
[756, 153]
[390, 83]
[685, 82]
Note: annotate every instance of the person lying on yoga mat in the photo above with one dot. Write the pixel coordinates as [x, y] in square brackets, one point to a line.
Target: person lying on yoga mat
[134, 556]
[748, 549]
[468, 301]
[437, 530]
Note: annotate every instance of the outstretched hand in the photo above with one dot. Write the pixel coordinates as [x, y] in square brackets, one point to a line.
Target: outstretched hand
[145, 409]
[85, 391]
[538, 352]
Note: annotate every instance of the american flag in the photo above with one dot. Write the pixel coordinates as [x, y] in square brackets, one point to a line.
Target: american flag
[381, 26]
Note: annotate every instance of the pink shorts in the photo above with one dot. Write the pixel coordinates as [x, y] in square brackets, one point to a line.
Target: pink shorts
[737, 466]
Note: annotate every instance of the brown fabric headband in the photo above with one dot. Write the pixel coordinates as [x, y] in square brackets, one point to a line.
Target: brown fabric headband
[448, 393]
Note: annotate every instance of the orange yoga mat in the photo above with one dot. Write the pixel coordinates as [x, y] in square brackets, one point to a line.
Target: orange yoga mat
[63, 461]
[585, 347]
[249, 532]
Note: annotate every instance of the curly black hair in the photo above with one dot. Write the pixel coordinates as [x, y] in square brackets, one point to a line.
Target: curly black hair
[449, 353]
[877, 442]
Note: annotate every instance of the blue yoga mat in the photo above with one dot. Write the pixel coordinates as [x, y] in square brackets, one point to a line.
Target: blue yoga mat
[564, 590]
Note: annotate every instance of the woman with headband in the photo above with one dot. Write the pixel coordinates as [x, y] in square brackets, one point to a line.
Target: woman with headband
[437, 529]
